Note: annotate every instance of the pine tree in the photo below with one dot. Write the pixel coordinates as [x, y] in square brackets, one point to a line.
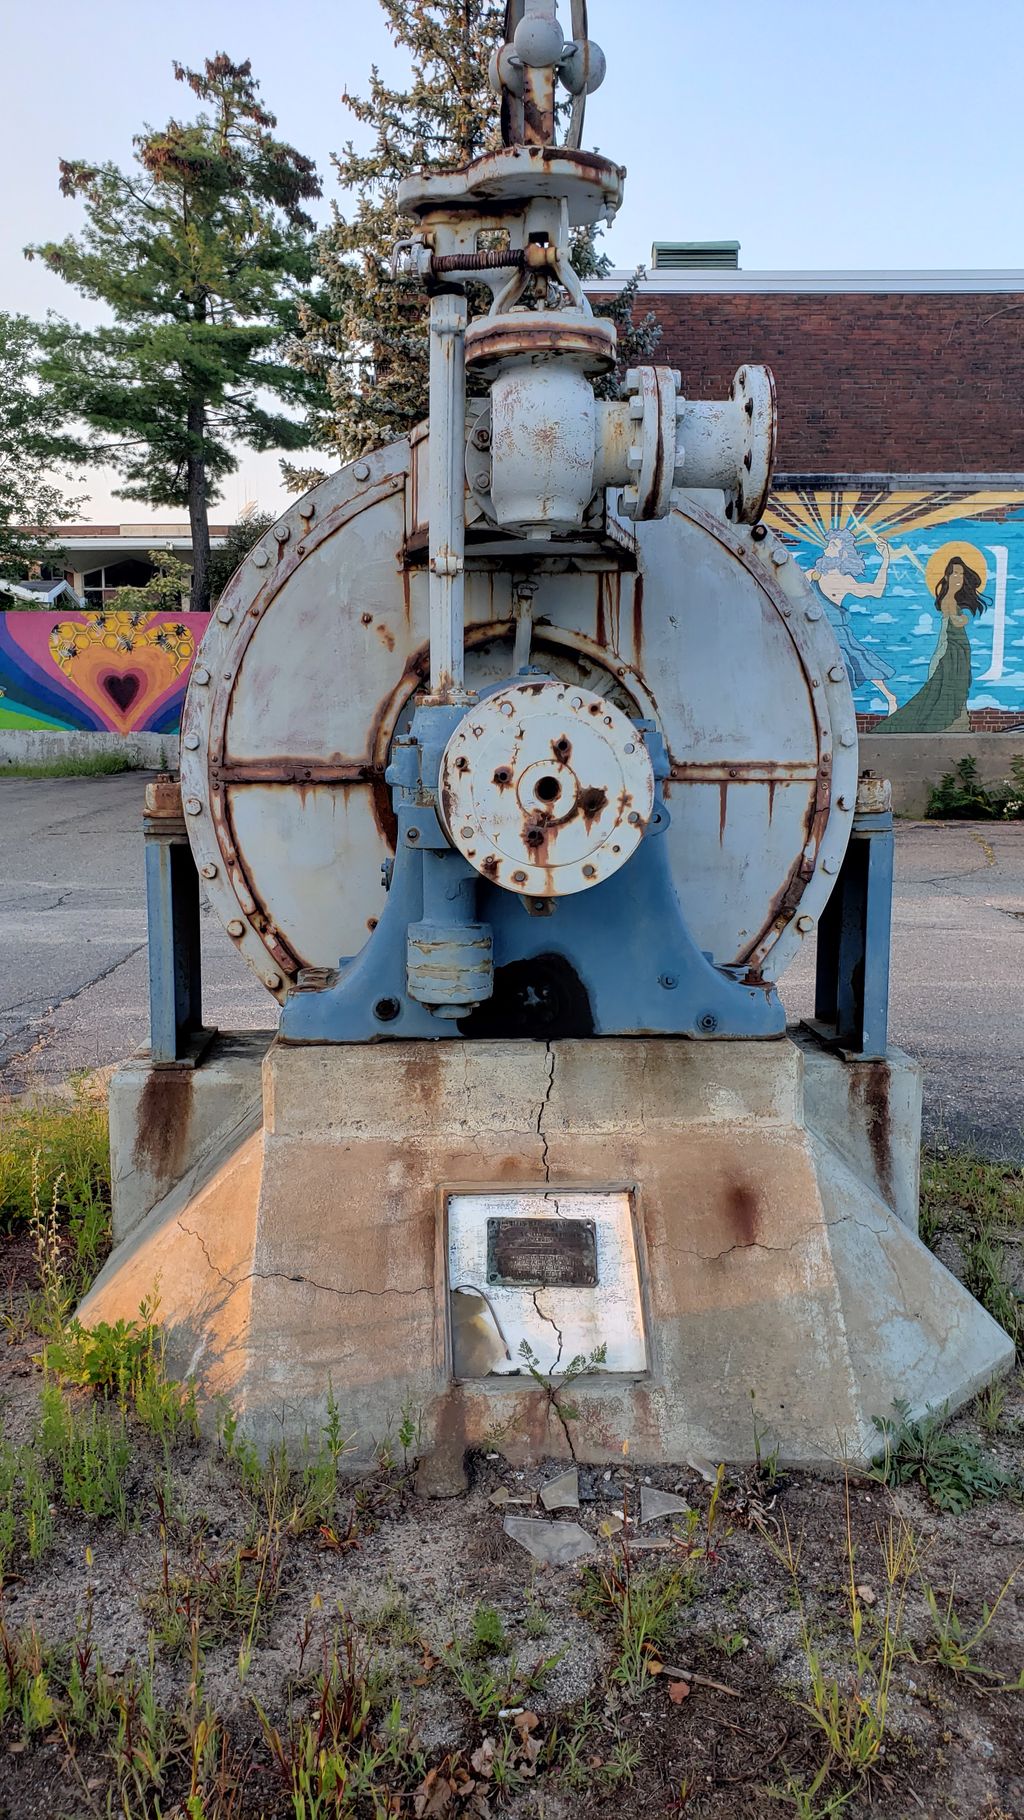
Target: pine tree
[367, 343]
[31, 495]
[201, 253]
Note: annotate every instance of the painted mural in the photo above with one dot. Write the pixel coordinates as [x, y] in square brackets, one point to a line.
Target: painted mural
[925, 593]
[101, 671]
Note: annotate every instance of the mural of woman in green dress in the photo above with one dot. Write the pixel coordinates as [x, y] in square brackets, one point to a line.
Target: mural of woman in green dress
[940, 705]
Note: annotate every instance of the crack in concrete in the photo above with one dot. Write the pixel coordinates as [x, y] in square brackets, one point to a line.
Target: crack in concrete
[285, 1276]
[552, 1391]
[541, 1133]
[51, 1010]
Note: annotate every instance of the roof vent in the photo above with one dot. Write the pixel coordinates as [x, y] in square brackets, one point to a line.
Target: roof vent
[695, 255]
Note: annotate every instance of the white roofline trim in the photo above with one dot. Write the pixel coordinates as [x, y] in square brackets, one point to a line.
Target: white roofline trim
[724, 283]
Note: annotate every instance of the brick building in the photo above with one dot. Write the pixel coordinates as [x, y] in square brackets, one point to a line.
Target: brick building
[901, 429]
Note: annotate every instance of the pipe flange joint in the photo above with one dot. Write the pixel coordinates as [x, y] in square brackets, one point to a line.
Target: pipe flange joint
[652, 393]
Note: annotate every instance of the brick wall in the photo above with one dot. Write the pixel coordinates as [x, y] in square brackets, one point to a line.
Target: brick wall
[889, 383]
[983, 720]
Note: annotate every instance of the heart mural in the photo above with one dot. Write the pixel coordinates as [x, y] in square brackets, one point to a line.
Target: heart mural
[113, 671]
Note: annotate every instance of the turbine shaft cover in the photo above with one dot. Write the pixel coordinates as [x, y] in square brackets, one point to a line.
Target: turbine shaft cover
[546, 789]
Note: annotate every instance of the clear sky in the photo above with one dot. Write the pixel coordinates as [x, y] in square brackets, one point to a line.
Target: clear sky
[818, 133]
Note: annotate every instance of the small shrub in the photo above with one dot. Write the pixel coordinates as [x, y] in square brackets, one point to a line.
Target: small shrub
[960, 795]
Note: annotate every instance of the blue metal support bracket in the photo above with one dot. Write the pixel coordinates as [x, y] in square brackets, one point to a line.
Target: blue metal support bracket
[851, 997]
[177, 1034]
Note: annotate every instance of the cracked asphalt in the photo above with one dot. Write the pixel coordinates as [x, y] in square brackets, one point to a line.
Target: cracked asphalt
[73, 950]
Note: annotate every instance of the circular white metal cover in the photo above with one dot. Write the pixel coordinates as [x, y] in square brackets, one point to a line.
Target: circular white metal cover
[320, 643]
[546, 789]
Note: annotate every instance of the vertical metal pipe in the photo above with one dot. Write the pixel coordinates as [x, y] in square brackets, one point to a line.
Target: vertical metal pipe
[448, 315]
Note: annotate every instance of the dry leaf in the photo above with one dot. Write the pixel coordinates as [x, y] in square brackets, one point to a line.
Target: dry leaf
[866, 1594]
[678, 1691]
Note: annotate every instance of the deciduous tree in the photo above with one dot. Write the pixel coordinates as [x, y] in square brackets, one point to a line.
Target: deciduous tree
[32, 495]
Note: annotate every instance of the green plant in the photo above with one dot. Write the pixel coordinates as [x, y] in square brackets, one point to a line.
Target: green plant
[954, 1472]
[25, 1693]
[801, 1794]
[57, 1154]
[960, 794]
[766, 1465]
[644, 1602]
[851, 1711]
[953, 1645]
[554, 1383]
[126, 1359]
[26, 1492]
[487, 1632]
[990, 1406]
[984, 1276]
[89, 764]
[90, 1451]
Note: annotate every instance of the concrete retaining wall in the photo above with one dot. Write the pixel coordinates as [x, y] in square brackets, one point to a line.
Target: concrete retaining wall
[33, 746]
[913, 762]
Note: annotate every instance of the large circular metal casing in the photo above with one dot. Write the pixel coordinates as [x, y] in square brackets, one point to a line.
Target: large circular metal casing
[320, 644]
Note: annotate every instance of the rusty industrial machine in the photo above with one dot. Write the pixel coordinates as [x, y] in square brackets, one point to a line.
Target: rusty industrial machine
[518, 762]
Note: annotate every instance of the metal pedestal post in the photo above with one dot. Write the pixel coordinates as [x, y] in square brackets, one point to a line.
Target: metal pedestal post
[176, 1027]
[851, 997]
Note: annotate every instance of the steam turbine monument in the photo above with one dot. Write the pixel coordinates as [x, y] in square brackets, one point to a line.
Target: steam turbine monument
[518, 761]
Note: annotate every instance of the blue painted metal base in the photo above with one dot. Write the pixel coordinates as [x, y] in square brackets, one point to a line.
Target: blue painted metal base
[617, 960]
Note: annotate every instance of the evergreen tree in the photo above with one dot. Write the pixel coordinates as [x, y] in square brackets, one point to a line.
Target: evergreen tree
[31, 496]
[366, 343]
[201, 253]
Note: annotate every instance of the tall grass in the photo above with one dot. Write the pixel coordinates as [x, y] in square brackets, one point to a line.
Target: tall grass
[91, 764]
[56, 1156]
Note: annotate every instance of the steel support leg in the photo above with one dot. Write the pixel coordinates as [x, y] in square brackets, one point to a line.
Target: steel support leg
[851, 999]
[172, 909]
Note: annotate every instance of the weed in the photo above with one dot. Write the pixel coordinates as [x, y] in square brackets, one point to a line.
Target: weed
[90, 1452]
[645, 1604]
[126, 1359]
[487, 1691]
[958, 1189]
[25, 1496]
[802, 1796]
[392, 1621]
[984, 1276]
[90, 764]
[851, 1712]
[488, 1632]
[989, 1408]
[766, 1465]
[55, 1154]
[731, 1643]
[25, 1693]
[554, 1383]
[953, 1646]
[953, 1471]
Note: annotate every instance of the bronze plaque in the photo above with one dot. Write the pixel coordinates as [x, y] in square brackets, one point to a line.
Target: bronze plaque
[542, 1254]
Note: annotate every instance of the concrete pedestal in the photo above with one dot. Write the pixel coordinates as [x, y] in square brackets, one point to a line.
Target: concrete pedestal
[315, 1253]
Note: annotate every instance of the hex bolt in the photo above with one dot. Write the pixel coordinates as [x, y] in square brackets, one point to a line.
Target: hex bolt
[830, 865]
[779, 556]
[191, 742]
[814, 612]
[209, 870]
[273, 980]
[225, 615]
[836, 673]
[259, 559]
[361, 471]
[282, 533]
[236, 927]
[193, 806]
[804, 924]
[847, 737]
[481, 437]
[201, 677]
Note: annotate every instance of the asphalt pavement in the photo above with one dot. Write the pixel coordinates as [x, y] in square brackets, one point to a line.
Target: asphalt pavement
[73, 953]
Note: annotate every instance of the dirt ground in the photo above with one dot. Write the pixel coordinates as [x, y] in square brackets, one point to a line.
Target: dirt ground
[525, 1710]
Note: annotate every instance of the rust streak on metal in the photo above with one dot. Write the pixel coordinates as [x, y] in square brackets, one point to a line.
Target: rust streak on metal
[744, 771]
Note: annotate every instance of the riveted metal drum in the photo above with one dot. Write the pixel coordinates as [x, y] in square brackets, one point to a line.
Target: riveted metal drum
[705, 629]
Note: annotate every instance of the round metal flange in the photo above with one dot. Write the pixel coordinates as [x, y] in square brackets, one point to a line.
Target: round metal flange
[546, 789]
[753, 388]
[587, 342]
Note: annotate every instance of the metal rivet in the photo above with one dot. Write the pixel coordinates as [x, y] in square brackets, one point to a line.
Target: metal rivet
[307, 511]
[412, 834]
[260, 559]
[235, 927]
[804, 923]
[282, 533]
[590, 871]
[191, 742]
[668, 981]
[225, 615]
[193, 806]
[519, 878]
[633, 817]
[814, 612]
[467, 833]
[846, 738]
[273, 980]
[201, 677]
[209, 870]
[361, 471]
[629, 746]
[836, 673]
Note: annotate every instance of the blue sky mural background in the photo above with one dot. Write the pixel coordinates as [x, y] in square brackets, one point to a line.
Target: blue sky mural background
[903, 625]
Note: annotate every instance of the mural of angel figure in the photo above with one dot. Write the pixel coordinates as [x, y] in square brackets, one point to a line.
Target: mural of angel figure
[839, 573]
[956, 574]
